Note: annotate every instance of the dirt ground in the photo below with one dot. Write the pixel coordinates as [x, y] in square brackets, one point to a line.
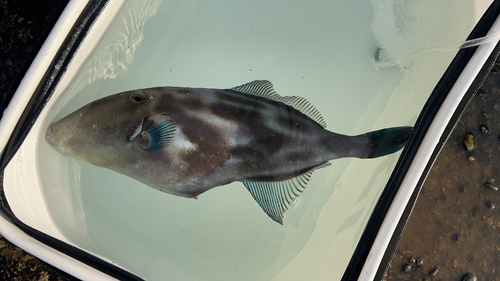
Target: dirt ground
[21, 29]
[455, 226]
[454, 229]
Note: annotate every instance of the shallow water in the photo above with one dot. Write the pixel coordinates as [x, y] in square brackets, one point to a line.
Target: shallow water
[321, 51]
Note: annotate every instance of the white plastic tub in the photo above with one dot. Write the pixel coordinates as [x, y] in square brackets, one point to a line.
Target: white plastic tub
[94, 223]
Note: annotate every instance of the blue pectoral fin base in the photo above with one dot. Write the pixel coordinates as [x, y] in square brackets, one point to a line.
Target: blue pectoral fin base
[389, 140]
[276, 197]
[161, 135]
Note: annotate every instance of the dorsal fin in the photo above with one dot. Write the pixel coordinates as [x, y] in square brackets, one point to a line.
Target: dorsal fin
[264, 88]
[275, 197]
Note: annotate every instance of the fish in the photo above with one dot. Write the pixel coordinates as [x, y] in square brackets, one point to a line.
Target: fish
[186, 141]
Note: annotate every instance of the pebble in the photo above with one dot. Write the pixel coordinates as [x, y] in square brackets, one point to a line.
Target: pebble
[420, 262]
[471, 158]
[407, 268]
[411, 260]
[490, 205]
[469, 141]
[485, 129]
[497, 107]
[491, 186]
[469, 277]
[434, 271]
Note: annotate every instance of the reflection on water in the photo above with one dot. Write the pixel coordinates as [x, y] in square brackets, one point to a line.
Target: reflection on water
[117, 47]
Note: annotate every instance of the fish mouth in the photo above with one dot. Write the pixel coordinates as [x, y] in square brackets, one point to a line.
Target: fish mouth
[51, 135]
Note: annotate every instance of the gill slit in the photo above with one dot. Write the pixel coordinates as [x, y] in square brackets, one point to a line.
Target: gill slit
[137, 131]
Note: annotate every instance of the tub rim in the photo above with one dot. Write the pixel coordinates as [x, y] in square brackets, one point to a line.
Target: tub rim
[78, 262]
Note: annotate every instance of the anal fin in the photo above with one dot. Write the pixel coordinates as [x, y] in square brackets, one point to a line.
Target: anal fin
[275, 197]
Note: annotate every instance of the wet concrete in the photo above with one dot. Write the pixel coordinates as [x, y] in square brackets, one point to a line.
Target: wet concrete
[455, 226]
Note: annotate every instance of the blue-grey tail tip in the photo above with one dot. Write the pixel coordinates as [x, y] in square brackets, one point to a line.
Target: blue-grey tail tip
[387, 141]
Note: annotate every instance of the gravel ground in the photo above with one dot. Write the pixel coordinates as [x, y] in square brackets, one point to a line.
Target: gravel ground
[455, 226]
[454, 229]
[21, 31]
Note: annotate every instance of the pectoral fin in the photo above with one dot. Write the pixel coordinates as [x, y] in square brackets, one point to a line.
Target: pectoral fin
[161, 135]
[155, 131]
[277, 196]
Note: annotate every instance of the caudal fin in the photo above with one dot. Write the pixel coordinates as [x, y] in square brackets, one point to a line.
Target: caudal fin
[387, 141]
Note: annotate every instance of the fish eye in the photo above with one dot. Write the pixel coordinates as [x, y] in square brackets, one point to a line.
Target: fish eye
[138, 96]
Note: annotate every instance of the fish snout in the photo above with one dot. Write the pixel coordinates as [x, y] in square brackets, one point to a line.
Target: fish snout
[51, 135]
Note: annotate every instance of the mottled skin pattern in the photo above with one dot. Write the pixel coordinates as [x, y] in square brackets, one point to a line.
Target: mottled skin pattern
[221, 136]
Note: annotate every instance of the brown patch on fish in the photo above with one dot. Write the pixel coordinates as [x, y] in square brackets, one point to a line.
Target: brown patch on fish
[211, 150]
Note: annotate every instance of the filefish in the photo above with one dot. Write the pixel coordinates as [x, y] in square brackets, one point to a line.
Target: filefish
[185, 141]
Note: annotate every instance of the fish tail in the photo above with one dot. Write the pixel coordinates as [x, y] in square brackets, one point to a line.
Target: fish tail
[387, 141]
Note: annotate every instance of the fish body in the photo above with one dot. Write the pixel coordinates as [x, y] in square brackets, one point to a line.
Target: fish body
[185, 141]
